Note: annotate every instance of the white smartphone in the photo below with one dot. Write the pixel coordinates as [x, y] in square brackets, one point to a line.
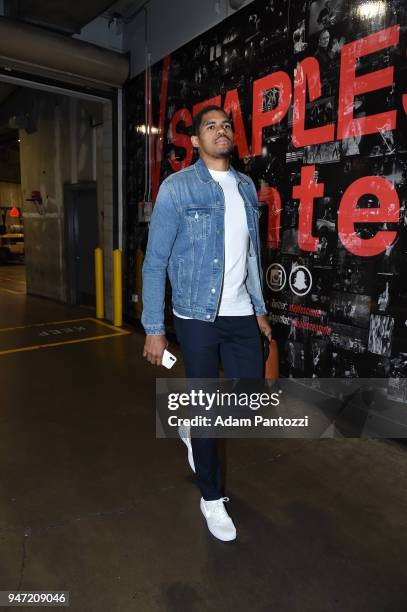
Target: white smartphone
[168, 359]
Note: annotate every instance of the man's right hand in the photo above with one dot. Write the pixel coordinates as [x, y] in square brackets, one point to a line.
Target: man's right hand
[154, 347]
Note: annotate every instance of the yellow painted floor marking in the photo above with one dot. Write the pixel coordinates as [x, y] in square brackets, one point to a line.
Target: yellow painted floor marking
[42, 346]
[118, 332]
[44, 324]
[13, 280]
[106, 324]
[12, 291]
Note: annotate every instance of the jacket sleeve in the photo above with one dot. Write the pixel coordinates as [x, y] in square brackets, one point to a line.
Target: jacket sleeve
[162, 233]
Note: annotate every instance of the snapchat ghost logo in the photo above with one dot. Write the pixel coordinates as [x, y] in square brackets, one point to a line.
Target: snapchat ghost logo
[300, 280]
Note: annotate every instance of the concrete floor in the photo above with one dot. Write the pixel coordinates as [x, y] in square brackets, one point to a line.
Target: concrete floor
[94, 504]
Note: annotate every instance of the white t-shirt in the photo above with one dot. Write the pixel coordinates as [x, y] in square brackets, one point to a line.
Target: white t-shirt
[235, 300]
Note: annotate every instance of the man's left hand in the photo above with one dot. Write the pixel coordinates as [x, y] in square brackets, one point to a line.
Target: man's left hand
[264, 325]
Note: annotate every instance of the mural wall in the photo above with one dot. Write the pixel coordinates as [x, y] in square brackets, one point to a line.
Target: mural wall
[318, 95]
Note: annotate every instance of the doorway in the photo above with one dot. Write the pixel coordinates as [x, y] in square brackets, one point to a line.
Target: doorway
[81, 232]
[83, 128]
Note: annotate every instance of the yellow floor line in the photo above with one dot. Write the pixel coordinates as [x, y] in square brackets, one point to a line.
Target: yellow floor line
[12, 291]
[43, 324]
[105, 324]
[12, 280]
[40, 346]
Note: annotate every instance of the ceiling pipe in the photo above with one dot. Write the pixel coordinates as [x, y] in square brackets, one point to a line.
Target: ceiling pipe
[41, 50]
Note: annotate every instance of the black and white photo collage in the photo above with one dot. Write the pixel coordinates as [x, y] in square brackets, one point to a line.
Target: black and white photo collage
[336, 311]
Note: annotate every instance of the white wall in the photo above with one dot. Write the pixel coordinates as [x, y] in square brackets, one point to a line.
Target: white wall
[171, 25]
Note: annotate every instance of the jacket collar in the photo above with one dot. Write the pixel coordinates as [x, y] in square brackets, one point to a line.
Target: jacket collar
[205, 177]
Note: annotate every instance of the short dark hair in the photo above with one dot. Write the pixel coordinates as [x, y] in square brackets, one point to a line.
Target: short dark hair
[197, 120]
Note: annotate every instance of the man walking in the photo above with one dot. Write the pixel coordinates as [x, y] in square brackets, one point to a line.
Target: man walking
[205, 232]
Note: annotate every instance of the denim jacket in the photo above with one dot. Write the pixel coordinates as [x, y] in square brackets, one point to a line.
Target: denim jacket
[186, 239]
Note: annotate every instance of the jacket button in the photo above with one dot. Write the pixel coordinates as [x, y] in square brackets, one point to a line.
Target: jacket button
[208, 316]
[213, 290]
[215, 260]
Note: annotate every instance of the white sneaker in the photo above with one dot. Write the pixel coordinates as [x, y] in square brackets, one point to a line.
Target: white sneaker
[184, 434]
[219, 522]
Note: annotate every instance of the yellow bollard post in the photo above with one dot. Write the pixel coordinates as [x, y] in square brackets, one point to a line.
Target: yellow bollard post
[117, 288]
[100, 306]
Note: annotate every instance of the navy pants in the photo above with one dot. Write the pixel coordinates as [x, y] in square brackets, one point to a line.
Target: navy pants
[236, 343]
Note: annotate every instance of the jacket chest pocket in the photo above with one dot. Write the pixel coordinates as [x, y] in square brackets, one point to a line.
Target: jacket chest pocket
[198, 222]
